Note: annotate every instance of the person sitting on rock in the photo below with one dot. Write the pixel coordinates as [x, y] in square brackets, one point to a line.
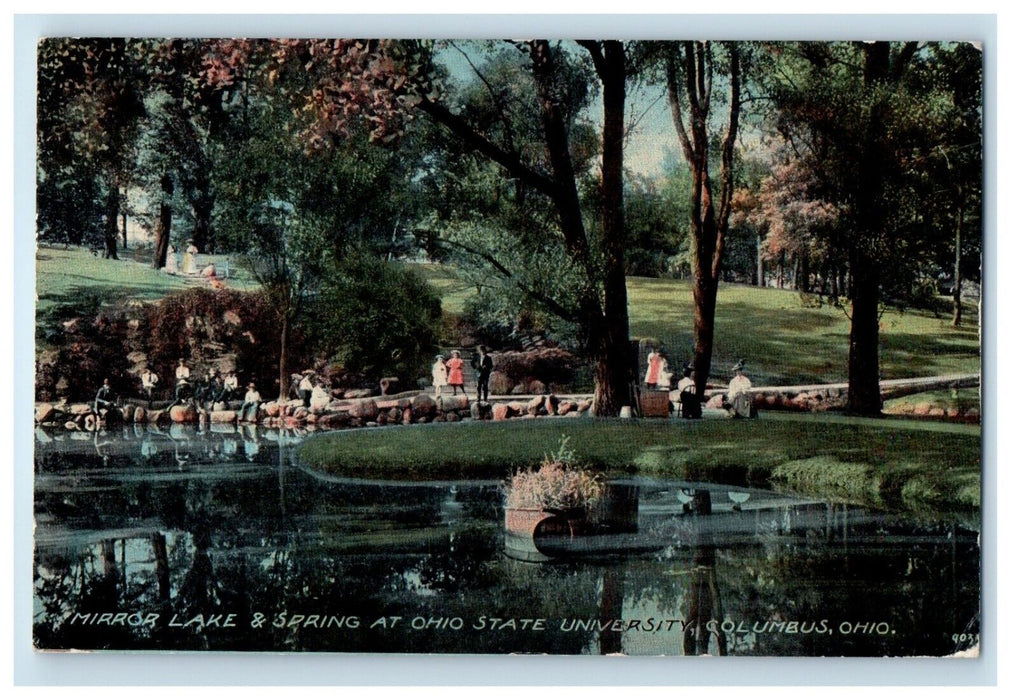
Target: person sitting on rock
[252, 399]
[306, 386]
[689, 402]
[230, 386]
[183, 371]
[738, 401]
[320, 397]
[103, 398]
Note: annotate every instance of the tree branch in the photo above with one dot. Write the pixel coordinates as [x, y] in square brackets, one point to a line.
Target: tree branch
[482, 145]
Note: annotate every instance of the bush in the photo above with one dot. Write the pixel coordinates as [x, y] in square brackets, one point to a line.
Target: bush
[549, 365]
[378, 319]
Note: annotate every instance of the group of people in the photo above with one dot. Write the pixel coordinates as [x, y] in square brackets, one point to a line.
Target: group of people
[311, 390]
[206, 391]
[738, 400]
[450, 372]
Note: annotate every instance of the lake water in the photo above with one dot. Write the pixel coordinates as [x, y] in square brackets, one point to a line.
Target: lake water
[180, 539]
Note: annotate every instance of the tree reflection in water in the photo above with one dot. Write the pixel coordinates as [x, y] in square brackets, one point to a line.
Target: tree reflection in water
[126, 523]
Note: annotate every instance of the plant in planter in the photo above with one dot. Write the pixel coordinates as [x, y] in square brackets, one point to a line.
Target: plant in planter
[558, 485]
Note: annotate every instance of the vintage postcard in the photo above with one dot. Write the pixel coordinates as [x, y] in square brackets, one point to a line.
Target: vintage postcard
[537, 346]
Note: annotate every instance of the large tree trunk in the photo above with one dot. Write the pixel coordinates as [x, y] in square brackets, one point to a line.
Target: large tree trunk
[202, 237]
[705, 295]
[864, 344]
[613, 359]
[162, 242]
[864, 285]
[110, 226]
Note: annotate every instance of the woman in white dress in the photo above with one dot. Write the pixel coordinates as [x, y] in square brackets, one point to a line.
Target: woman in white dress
[171, 261]
[439, 375]
[189, 266]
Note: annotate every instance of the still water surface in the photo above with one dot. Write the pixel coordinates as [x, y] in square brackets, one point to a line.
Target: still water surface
[179, 539]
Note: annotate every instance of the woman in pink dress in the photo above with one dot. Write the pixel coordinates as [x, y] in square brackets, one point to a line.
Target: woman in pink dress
[455, 365]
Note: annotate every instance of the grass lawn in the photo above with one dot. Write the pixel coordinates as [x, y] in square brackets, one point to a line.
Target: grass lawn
[65, 276]
[880, 462]
[782, 341]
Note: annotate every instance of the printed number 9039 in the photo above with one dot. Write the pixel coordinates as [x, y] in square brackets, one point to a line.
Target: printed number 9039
[965, 637]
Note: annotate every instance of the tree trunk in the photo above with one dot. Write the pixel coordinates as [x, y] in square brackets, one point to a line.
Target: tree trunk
[123, 220]
[705, 295]
[202, 237]
[956, 290]
[864, 343]
[284, 376]
[110, 227]
[760, 280]
[162, 566]
[162, 242]
[613, 360]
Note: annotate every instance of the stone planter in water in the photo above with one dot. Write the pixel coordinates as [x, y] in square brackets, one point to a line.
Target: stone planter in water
[544, 534]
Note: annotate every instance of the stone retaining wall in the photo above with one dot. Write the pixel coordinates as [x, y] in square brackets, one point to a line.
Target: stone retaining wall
[413, 407]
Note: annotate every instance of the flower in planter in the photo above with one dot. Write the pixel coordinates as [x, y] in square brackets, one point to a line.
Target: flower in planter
[558, 484]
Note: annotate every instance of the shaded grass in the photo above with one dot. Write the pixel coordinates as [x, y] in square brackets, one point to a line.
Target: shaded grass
[782, 341]
[887, 463]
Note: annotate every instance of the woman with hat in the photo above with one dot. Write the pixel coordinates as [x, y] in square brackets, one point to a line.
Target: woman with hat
[251, 399]
[739, 400]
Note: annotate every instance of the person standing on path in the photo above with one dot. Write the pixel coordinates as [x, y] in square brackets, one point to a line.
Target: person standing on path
[439, 375]
[455, 365]
[484, 367]
[149, 379]
[654, 360]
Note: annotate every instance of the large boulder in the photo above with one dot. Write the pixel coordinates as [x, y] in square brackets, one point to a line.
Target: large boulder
[423, 406]
[225, 416]
[537, 387]
[535, 406]
[365, 409]
[45, 412]
[502, 411]
[480, 410]
[333, 420]
[140, 416]
[499, 383]
[460, 402]
[551, 404]
[566, 407]
[183, 414]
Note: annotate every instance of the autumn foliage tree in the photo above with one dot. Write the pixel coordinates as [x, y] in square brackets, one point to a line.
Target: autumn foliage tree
[383, 84]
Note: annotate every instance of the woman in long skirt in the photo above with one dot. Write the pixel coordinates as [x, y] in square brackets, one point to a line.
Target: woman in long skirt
[439, 375]
[455, 365]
